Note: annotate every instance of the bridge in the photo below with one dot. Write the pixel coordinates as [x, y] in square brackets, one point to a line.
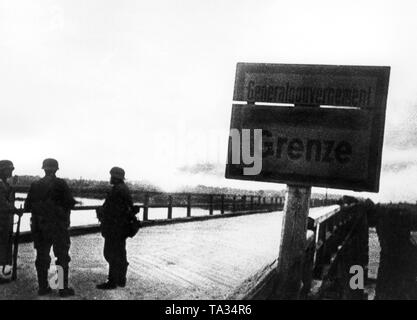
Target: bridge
[231, 254]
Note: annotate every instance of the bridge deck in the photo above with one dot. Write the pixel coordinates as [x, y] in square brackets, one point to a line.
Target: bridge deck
[194, 260]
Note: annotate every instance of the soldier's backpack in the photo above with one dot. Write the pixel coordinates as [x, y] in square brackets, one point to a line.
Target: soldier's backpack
[134, 224]
[133, 228]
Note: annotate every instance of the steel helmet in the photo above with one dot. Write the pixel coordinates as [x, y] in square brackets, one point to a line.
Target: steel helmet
[6, 164]
[50, 164]
[117, 172]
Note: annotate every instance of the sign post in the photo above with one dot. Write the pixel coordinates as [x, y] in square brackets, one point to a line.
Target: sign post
[302, 144]
[293, 242]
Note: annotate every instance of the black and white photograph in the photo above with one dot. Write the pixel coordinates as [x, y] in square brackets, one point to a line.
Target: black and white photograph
[208, 154]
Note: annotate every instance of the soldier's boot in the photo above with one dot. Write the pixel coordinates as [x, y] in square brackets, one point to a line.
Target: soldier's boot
[122, 275]
[106, 286]
[44, 287]
[66, 291]
[111, 283]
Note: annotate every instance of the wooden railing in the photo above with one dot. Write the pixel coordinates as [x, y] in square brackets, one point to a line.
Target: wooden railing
[226, 205]
[211, 202]
[335, 241]
[341, 242]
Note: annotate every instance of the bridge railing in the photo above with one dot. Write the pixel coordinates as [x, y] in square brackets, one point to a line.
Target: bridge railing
[335, 241]
[224, 203]
[211, 203]
[341, 246]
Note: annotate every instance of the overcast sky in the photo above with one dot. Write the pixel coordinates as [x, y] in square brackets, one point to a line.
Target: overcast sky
[147, 85]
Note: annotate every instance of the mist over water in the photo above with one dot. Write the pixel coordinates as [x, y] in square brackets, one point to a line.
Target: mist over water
[88, 217]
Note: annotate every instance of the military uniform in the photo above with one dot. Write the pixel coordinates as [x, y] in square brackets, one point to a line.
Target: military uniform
[114, 216]
[50, 201]
[6, 222]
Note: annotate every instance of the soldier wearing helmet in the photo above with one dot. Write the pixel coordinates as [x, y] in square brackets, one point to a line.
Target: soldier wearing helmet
[114, 216]
[7, 209]
[50, 200]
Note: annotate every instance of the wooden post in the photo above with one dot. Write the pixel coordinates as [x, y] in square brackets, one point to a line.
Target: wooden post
[293, 242]
[234, 203]
[16, 247]
[319, 255]
[222, 204]
[326, 243]
[145, 207]
[244, 202]
[189, 205]
[337, 219]
[170, 207]
[251, 202]
[211, 205]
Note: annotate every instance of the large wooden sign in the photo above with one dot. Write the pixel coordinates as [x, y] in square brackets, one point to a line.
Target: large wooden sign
[337, 145]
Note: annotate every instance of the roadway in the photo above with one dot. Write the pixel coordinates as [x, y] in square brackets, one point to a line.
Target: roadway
[195, 260]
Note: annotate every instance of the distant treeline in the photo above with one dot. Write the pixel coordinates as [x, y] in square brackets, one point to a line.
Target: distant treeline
[95, 189]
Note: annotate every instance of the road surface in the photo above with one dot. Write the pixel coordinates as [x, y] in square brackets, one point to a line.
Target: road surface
[195, 260]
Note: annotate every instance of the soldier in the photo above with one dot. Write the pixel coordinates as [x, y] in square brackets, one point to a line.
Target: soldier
[7, 209]
[114, 216]
[50, 201]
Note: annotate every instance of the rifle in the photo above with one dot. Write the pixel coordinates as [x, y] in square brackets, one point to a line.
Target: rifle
[16, 245]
